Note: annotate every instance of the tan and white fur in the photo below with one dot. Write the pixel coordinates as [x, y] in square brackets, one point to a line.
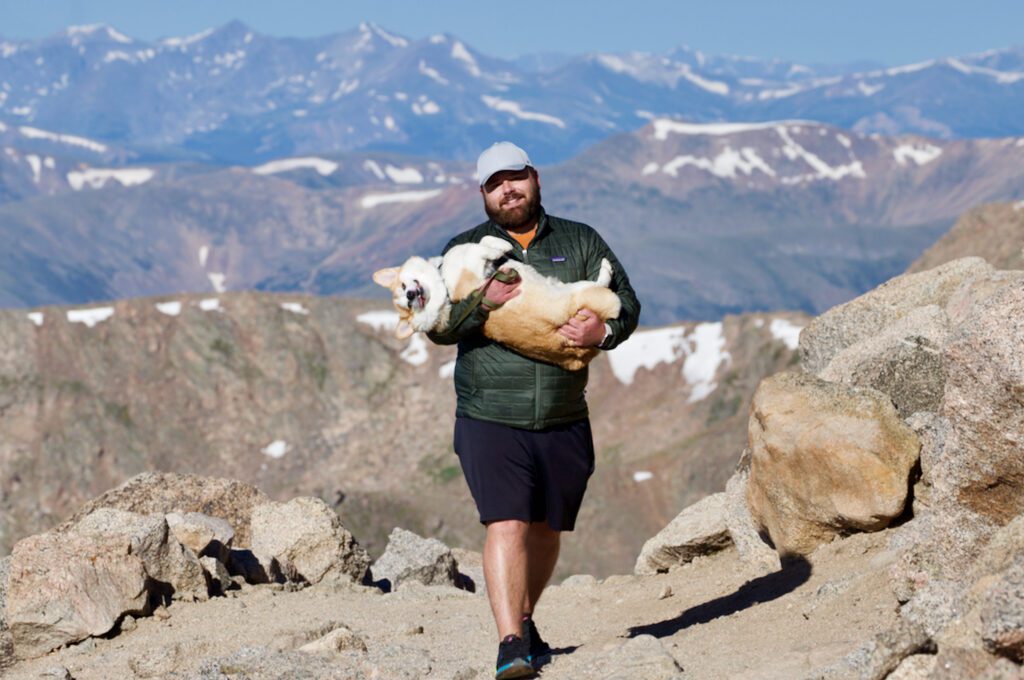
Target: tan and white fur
[423, 292]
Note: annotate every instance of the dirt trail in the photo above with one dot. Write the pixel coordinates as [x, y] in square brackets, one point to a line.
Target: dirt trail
[719, 622]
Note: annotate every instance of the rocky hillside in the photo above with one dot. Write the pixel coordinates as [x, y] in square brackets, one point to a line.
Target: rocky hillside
[993, 232]
[873, 529]
[314, 396]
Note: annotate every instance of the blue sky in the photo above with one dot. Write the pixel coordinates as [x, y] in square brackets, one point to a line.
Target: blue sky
[811, 31]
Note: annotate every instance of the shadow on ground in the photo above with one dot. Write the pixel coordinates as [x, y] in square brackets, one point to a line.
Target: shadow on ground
[762, 589]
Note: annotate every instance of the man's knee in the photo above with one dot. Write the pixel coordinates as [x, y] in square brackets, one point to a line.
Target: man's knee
[508, 529]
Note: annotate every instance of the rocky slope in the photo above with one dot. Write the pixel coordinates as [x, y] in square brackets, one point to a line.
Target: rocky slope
[994, 232]
[909, 580]
[314, 396]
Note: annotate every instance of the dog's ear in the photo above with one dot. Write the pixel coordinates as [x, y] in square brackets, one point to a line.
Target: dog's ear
[386, 277]
[404, 329]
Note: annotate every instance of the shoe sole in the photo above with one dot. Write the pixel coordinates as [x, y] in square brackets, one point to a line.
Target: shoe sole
[516, 669]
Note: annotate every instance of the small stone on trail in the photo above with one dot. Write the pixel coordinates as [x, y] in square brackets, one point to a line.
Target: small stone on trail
[162, 614]
[58, 672]
[415, 630]
[128, 624]
[665, 592]
[339, 639]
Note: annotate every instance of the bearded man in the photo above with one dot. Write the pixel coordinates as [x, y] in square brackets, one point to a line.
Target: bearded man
[522, 431]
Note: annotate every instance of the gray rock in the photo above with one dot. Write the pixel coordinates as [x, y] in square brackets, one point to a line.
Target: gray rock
[870, 314]
[165, 492]
[57, 673]
[826, 459]
[984, 397]
[338, 640]
[202, 534]
[698, 530]
[904, 361]
[958, 663]
[303, 541]
[879, 657]
[751, 548]
[914, 667]
[579, 581]
[409, 557]
[217, 574]
[1002, 613]
[165, 560]
[156, 663]
[261, 663]
[640, 657]
[65, 588]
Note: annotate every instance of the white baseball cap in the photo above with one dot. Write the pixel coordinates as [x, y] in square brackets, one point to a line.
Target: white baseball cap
[500, 156]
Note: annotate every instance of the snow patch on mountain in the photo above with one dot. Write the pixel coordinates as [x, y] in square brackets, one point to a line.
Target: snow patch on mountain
[724, 165]
[432, 73]
[188, 40]
[822, 170]
[36, 133]
[703, 349]
[404, 175]
[169, 308]
[786, 331]
[374, 200]
[869, 90]
[460, 53]
[516, 110]
[98, 177]
[36, 318]
[919, 153]
[1001, 77]
[321, 165]
[90, 317]
[665, 126]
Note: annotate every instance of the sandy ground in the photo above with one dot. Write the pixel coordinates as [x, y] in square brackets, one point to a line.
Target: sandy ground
[719, 622]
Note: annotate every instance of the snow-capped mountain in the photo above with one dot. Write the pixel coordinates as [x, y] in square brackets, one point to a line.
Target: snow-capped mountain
[233, 95]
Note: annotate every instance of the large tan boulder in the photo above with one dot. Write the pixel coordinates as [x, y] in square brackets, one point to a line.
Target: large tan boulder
[64, 588]
[826, 459]
[303, 541]
[983, 468]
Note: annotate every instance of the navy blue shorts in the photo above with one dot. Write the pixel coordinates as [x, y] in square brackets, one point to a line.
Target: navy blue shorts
[529, 475]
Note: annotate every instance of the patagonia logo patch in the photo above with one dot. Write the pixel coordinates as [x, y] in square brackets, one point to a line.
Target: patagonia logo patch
[558, 258]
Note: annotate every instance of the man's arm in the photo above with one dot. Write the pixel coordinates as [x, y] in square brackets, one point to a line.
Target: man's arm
[624, 325]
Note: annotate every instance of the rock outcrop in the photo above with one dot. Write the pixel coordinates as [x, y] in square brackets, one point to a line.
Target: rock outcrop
[409, 557]
[826, 459]
[304, 541]
[700, 529]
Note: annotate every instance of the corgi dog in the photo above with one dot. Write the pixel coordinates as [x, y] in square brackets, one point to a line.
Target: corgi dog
[423, 292]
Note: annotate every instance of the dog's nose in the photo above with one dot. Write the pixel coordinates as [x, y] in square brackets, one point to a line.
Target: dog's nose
[410, 295]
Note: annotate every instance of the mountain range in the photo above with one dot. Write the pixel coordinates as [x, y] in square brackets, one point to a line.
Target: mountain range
[708, 219]
[232, 95]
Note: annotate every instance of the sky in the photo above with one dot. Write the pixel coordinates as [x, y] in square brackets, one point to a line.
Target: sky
[888, 32]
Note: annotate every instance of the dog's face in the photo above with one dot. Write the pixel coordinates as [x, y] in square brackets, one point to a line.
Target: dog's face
[411, 287]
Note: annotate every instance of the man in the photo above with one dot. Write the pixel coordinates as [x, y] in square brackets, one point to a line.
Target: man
[521, 431]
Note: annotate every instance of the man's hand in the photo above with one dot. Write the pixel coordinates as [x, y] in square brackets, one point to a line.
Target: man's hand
[583, 330]
[499, 293]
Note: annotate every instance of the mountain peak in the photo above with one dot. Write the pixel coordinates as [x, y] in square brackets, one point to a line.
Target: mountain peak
[94, 32]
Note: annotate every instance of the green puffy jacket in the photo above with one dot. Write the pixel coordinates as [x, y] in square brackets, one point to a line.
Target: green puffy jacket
[496, 384]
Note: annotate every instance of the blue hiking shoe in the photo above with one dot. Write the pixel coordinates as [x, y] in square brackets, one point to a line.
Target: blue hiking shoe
[513, 659]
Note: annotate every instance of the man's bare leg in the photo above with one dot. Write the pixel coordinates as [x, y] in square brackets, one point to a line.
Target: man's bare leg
[542, 545]
[505, 570]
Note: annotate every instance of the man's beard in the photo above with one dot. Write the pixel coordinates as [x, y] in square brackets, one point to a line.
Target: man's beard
[518, 217]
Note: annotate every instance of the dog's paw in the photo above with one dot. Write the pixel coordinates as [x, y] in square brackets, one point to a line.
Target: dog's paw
[499, 244]
[604, 278]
